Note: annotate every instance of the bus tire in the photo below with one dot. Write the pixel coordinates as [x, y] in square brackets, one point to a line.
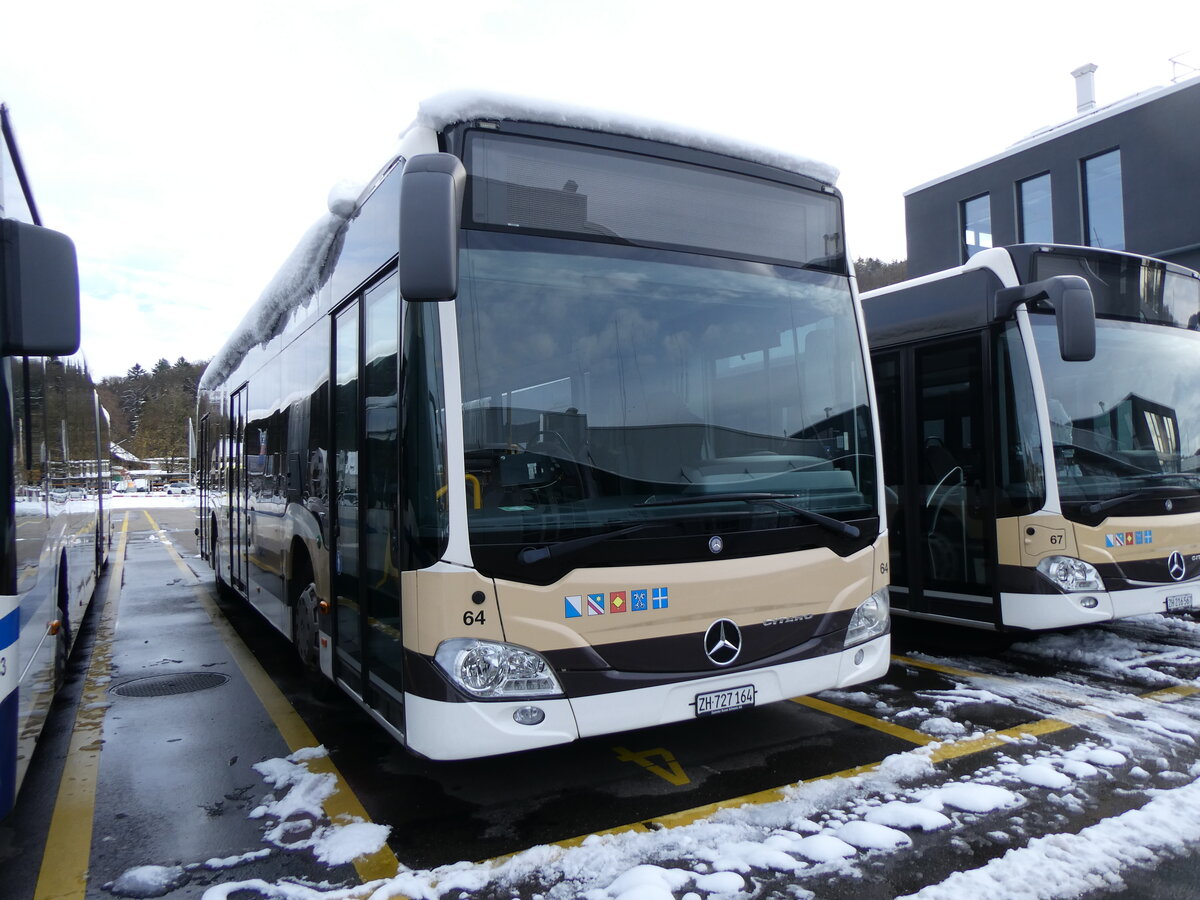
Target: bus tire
[62, 641]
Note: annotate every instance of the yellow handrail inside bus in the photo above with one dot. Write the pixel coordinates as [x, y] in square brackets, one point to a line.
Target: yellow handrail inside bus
[478, 491]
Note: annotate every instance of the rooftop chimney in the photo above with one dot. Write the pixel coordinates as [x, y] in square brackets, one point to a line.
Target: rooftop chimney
[1085, 88]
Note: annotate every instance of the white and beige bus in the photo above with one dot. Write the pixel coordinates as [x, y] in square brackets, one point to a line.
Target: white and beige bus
[563, 426]
[1041, 437]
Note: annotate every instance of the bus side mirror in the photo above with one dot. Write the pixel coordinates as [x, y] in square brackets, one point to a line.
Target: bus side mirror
[1074, 311]
[39, 291]
[431, 197]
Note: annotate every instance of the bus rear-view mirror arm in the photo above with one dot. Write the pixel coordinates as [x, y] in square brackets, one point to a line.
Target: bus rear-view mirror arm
[39, 291]
[1074, 310]
[431, 198]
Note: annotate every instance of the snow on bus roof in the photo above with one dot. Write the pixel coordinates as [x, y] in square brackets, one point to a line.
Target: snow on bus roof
[453, 107]
[298, 279]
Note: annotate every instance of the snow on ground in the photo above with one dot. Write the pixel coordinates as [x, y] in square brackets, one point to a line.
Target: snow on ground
[1064, 865]
[119, 501]
[838, 828]
[804, 837]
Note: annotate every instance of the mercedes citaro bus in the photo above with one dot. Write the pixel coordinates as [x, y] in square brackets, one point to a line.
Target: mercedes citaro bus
[563, 426]
[1041, 436]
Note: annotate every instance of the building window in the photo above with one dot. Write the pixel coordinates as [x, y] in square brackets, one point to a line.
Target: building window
[1035, 220]
[977, 225]
[1103, 211]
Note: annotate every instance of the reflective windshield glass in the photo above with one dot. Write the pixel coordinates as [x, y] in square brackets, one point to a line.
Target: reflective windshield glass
[1129, 287]
[601, 383]
[1128, 419]
[602, 194]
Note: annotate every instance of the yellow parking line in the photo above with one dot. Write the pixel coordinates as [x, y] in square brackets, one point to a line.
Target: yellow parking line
[343, 802]
[946, 670]
[63, 875]
[1171, 694]
[993, 739]
[851, 715]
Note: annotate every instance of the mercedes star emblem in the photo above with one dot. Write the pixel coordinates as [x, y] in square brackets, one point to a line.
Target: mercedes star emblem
[722, 642]
[1176, 566]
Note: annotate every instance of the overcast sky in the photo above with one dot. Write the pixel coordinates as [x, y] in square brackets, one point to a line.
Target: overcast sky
[187, 147]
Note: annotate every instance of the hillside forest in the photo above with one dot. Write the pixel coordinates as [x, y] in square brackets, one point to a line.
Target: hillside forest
[150, 409]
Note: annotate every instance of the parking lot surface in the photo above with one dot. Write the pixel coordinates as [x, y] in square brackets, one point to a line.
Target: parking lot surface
[972, 759]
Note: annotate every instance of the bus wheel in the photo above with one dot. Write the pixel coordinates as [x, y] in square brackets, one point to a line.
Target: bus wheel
[62, 640]
[305, 635]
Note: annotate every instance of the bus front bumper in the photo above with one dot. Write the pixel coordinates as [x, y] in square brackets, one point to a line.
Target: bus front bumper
[1039, 612]
[447, 731]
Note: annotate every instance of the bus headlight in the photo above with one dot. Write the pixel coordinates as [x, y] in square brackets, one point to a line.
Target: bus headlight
[1071, 574]
[870, 620]
[496, 671]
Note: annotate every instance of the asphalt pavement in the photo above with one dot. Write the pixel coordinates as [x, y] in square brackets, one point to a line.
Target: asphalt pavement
[148, 759]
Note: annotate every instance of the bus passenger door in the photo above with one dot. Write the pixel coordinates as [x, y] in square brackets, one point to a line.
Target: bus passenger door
[237, 489]
[366, 474]
[203, 471]
[345, 523]
[954, 511]
[934, 429]
[381, 559]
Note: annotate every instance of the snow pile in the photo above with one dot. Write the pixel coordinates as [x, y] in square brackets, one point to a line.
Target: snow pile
[148, 881]
[907, 816]
[971, 797]
[297, 816]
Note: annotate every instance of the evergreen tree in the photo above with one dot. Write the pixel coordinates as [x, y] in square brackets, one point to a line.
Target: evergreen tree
[875, 273]
[150, 410]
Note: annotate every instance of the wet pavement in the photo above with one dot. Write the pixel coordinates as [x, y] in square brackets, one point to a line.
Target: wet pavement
[172, 711]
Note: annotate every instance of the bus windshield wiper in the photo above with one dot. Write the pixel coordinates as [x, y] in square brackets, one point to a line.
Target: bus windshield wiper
[838, 527]
[1192, 477]
[537, 554]
[1140, 494]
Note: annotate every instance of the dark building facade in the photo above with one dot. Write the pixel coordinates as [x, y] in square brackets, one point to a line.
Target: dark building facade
[1124, 177]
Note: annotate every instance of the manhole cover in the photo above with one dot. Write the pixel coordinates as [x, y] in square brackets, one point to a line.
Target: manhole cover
[166, 685]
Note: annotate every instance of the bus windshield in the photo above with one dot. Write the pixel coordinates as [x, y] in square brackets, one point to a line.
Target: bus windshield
[1128, 420]
[602, 382]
